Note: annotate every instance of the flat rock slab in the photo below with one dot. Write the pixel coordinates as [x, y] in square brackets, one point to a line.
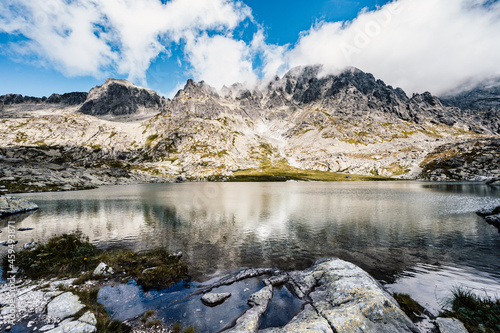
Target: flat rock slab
[64, 305]
[213, 299]
[11, 205]
[341, 297]
[451, 325]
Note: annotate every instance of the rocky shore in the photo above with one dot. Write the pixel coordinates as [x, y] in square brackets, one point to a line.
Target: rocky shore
[11, 205]
[338, 297]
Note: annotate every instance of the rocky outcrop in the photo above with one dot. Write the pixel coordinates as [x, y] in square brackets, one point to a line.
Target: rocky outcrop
[472, 160]
[339, 296]
[11, 205]
[491, 215]
[484, 96]
[42, 307]
[120, 97]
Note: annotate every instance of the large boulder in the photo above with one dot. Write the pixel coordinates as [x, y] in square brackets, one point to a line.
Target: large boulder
[64, 305]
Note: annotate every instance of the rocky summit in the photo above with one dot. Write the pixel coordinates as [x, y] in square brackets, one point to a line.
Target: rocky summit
[305, 125]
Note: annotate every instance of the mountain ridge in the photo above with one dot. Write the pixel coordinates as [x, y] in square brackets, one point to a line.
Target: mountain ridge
[350, 123]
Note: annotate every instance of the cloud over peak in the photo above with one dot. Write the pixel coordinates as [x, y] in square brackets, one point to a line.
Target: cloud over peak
[418, 45]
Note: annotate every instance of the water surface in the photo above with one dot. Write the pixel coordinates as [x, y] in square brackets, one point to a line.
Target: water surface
[421, 238]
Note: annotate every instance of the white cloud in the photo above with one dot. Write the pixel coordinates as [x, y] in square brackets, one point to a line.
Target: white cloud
[221, 60]
[92, 37]
[415, 44]
[418, 45]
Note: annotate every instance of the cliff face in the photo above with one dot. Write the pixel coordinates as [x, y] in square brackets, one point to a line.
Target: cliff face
[350, 123]
[120, 97]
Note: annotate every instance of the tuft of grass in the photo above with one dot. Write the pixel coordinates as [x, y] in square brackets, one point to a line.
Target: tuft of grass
[480, 314]
[62, 255]
[71, 254]
[409, 306]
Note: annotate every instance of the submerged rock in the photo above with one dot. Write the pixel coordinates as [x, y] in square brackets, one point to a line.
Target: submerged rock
[11, 205]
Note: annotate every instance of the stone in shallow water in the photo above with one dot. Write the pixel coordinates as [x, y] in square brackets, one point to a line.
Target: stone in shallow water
[451, 325]
[213, 299]
[11, 205]
[249, 321]
[64, 305]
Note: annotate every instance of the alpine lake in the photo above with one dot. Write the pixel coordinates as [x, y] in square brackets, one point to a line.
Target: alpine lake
[419, 238]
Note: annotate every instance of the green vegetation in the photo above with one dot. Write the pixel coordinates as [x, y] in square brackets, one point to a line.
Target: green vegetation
[178, 329]
[284, 173]
[70, 254]
[479, 314]
[150, 139]
[409, 306]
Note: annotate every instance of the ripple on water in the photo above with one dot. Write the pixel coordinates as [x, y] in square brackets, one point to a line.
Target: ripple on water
[431, 285]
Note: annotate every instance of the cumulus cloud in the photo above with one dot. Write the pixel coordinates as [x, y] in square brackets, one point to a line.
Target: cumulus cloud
[415, 44]
[221, 60]
[419, 45]
[95, 37]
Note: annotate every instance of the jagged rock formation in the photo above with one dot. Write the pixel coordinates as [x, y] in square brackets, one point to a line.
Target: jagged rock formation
[73, 98]
[120, 97]
[482, 97]
[350, 123]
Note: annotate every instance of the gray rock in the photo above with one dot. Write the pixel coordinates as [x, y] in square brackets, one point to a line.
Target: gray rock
[47, 327]
[120, 97]
[30, 246]
[451, 325]
[213, 299]
[11, 205]
[64, 305]
[74, 327]
[341, 298]
[103, 270]
[249, 321]
[89, 318]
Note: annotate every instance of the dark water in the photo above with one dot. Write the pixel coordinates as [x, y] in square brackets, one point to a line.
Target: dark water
[421, 238]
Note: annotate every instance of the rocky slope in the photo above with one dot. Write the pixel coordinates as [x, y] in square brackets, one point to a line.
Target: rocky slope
[350, 123]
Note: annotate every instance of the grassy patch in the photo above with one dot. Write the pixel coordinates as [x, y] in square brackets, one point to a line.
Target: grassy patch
[479, 314]
[61, 255]
[289, 173]
[70, 254]
[409, 306]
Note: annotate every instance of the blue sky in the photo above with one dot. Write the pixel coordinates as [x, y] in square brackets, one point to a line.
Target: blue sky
[61, 46]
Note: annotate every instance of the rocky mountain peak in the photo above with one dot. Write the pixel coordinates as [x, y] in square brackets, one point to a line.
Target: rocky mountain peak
[196, 89]
[121, 97]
